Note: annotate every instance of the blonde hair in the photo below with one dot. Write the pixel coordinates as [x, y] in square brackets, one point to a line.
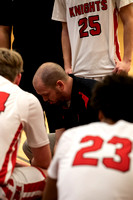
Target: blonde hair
[11, 63]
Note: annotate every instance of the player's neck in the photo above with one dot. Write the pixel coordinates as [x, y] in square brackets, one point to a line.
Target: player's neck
[108, 121]
[102, 118]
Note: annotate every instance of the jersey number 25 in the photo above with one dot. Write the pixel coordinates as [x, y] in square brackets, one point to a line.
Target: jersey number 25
[92, 22]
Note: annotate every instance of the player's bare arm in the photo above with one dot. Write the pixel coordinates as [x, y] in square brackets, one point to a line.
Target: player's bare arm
[41, 156]
[48, 195]
[66, 48]
[58, 134]
[5, 36]
[126, 14]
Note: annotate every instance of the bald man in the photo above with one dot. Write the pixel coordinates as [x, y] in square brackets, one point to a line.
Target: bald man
[68, 96]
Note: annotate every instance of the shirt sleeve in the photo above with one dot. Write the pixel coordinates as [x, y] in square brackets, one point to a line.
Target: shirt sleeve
[64, 144]
[33, 121]
[59, 11]
[122, 3]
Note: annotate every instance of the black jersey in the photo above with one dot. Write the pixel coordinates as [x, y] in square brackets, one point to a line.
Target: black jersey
[79, 112]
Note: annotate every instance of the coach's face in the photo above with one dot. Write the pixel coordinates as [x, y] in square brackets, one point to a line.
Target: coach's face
[53, 95]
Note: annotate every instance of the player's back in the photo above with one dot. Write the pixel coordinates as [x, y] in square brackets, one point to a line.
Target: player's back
[10, 126]
[96, 162]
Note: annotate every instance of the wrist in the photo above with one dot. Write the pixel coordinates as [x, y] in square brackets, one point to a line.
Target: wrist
[67, 66]
[127, 60]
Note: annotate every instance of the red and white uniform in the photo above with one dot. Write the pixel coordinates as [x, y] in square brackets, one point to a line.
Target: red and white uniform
[95, 162]
[19, 110]
[92, 27]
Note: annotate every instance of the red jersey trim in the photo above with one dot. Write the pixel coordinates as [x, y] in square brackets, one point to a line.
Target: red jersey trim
[10, 156]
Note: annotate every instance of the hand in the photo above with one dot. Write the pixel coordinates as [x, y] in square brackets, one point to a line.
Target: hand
[122, 67]
[68, 70]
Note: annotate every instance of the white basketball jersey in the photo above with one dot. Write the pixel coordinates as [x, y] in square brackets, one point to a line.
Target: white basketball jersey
[18, 110]
[95, 162]
[92, 27]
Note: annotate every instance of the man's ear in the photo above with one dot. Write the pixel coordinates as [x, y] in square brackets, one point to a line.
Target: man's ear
[17, 79]
[101, 116]
[60, 85]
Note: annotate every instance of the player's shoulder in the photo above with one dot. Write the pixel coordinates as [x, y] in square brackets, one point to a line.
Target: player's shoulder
[27, 97]
[102, 129]
[28, 105]
[123, 127]
[91, 128]
[25, 101]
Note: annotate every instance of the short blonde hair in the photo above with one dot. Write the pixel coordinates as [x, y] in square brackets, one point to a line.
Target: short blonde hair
[11, 63]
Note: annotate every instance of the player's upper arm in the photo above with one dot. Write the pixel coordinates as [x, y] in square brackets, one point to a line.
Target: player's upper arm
[33, 122]
[5, 36]
[64, 28]
[41, 156]
[58, 133]
[126, 13]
